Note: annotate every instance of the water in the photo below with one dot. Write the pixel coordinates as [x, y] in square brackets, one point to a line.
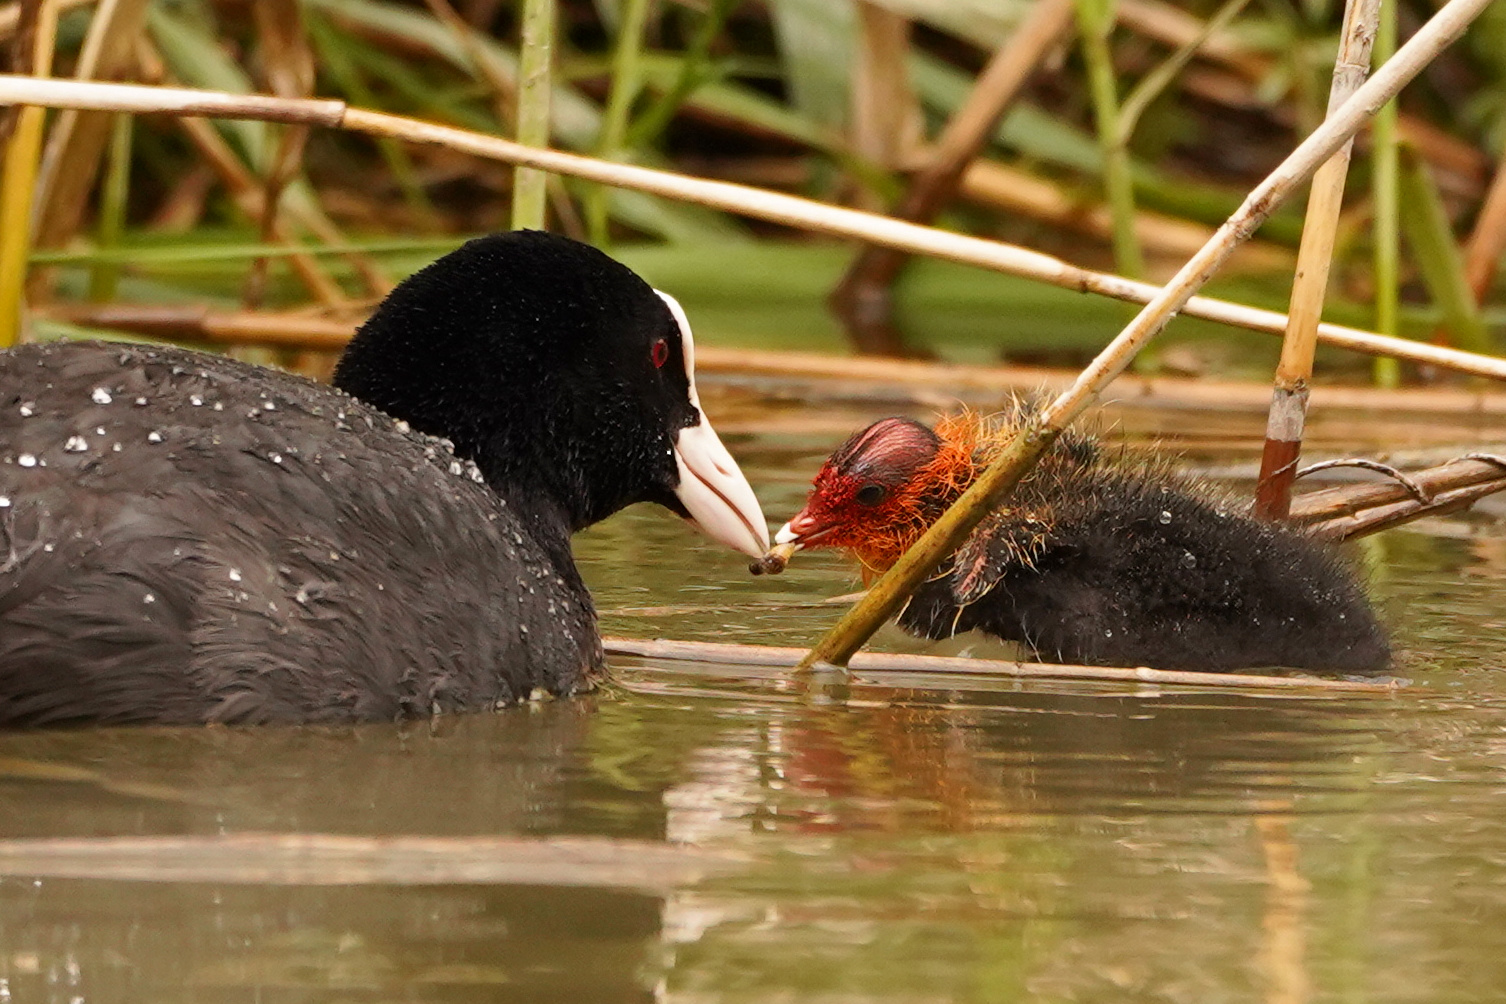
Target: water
[968, 841]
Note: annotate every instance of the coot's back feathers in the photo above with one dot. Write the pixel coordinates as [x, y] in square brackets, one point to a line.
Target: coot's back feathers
[191, 539]
[1099, 560]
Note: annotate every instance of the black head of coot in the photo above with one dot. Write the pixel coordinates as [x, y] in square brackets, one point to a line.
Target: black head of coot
[558, 370]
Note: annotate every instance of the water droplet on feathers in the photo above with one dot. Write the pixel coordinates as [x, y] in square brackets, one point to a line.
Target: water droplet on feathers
[101, 396]
[76, 444]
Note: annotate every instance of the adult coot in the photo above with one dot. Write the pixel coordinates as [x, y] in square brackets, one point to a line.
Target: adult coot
[184, 538]
[1094, 559]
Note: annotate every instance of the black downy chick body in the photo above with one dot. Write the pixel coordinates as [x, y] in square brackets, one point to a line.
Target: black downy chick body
[186, 538]
[1094, 560]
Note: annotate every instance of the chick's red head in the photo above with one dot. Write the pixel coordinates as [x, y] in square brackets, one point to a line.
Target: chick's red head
[880, 490]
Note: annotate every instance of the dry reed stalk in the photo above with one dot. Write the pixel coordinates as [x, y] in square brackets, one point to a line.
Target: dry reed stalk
[247, 194]
[889, 593]
[1368, 521]
[10, 15]
[934, 383]
[1487, 241]
[942, 382]
[1294, 371]
[77, 141]
[1000, 186]
[18, 174]
[888, 662]
[886, 118]
[288, 67]
[504, 87]
[863, 298]
[199, 324]
[772, 206]
[1177, 28]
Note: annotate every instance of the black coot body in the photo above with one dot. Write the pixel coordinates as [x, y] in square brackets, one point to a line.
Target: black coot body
[184, 538]
[1097, 560]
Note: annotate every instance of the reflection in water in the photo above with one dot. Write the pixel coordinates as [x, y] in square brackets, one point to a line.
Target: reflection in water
[523, 772]
[969, 841]
[1285, 913]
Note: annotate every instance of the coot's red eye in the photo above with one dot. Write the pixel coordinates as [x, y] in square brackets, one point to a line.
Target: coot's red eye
[661, 353]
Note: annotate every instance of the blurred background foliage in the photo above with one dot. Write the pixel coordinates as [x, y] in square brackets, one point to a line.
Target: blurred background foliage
[837, 100]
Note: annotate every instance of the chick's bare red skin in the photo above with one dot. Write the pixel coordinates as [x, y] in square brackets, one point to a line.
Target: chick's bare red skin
[1094, 559]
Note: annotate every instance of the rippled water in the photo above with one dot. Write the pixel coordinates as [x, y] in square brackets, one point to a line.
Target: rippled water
[964, 841]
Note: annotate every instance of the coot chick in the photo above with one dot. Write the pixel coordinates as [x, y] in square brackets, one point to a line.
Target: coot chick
[184, 538]
[1093, 560]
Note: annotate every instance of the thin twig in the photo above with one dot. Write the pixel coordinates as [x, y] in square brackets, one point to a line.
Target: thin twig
[1416, 490]
[780, 656]
[1157, 80]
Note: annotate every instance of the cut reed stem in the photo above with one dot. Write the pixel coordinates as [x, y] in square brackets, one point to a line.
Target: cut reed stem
[1294, 371]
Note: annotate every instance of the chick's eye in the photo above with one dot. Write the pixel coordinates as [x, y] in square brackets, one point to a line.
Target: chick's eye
[660, 353]
[870, 494]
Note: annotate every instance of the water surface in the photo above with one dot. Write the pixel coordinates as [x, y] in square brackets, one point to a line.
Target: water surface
[954, 840]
